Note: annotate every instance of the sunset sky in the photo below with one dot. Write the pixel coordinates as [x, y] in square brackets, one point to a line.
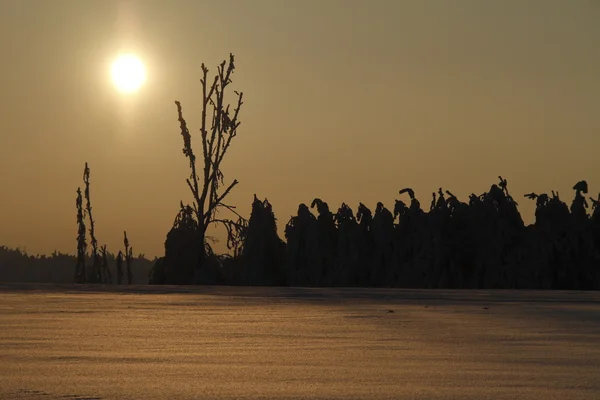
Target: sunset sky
[344, 100]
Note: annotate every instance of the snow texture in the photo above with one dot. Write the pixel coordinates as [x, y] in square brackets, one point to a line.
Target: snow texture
[143, 342]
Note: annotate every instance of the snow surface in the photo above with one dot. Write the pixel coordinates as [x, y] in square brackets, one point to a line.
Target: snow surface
[142, 342]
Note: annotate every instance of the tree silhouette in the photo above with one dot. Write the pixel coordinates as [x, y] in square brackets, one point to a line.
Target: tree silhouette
[263, 252]
[119, 262]
[128, 258]
[219, 125]
[100, 271]
[95, 275]
[81, 240]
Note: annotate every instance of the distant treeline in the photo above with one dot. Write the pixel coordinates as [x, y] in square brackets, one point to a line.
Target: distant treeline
[482, 243]
[18, 266]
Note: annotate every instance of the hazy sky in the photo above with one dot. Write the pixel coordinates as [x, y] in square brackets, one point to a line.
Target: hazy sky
[344, 100]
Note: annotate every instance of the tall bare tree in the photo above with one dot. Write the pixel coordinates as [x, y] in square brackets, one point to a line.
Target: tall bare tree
[81, 240]
[219, 125]
[128, 258]
[119, 261]
[96, 272]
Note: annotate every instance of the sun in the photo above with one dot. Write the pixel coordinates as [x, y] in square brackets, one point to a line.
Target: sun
[128, 73]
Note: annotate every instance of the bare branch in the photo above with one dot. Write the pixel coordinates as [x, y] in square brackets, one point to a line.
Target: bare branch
[218, 200]
[230, 208]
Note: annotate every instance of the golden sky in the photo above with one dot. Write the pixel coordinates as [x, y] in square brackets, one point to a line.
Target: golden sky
[344, 100]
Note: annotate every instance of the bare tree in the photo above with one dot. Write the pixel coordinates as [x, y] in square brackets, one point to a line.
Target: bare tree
[219, 124]
[128, 258]
[81, 240]
[96, 272]
[106, 275]
[119, 261]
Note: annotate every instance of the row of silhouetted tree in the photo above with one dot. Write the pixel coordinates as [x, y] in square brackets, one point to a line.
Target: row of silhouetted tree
[481, 243]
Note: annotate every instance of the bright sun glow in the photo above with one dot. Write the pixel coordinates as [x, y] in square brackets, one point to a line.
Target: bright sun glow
[128, 73]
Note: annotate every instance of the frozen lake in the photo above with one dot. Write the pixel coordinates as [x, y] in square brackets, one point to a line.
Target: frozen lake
[70, 342]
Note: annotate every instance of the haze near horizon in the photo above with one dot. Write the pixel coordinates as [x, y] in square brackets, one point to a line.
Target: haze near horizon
[344, 100]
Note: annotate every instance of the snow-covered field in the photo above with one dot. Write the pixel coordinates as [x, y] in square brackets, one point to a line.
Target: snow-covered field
[69, 342]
